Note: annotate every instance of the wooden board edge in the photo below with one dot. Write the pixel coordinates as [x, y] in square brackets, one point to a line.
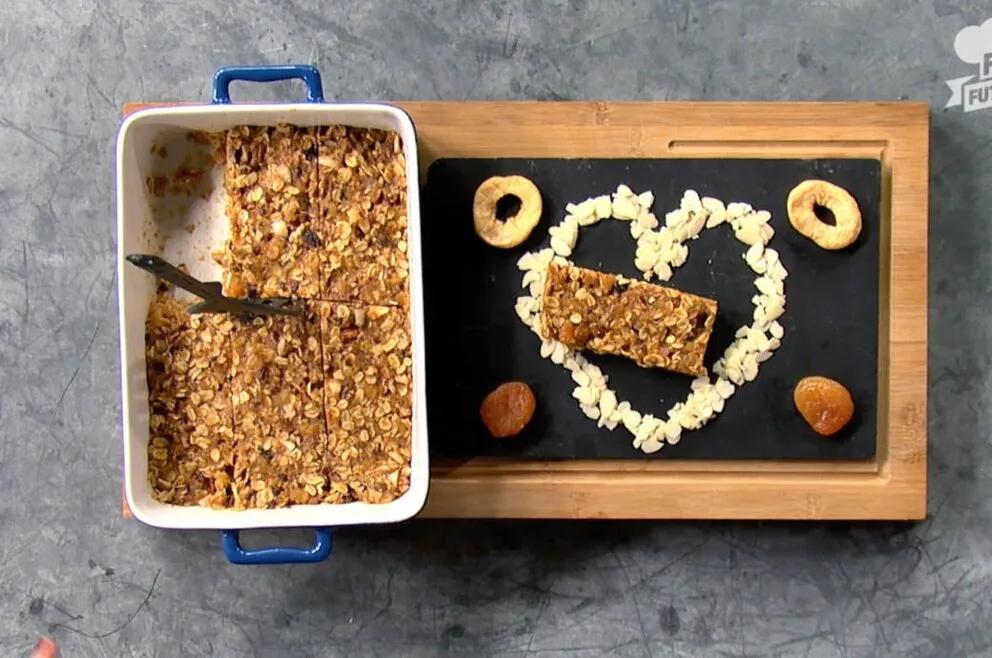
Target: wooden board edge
[908, 376]
[652, 499]
[637, 113]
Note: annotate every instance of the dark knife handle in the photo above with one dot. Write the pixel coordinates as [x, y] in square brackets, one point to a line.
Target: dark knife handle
[165, 270]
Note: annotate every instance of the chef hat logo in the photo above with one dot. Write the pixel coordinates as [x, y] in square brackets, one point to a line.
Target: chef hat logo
[973, 41]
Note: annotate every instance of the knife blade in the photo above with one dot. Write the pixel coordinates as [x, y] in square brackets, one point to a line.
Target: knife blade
[214, 301]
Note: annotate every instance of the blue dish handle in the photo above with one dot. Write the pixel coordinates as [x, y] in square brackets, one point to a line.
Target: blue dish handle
[308, 74]
[321, 548]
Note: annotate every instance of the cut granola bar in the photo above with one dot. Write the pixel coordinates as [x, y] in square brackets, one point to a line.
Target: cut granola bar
[190, 453]
[271, 183]
[316, 408]
[363, 214]
[653, 325]
[368, 401]
[277, 389]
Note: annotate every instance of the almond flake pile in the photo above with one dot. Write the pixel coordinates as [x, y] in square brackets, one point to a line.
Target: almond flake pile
[660, 250]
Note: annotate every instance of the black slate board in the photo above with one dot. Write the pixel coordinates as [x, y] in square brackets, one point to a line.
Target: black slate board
[475, 341]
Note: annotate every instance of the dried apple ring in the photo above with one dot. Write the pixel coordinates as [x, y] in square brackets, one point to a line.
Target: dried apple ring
[509, 232]
[802, 203]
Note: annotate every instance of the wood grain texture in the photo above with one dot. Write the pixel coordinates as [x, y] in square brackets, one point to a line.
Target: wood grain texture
[893, 485]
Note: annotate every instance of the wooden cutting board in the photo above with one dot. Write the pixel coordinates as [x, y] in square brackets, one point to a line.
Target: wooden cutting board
[889, 485]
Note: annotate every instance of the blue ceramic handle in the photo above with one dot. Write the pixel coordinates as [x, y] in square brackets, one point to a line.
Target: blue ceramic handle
[308, 74]
[321, 548]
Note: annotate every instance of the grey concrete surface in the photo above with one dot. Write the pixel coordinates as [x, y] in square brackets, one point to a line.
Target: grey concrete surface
[71, 568]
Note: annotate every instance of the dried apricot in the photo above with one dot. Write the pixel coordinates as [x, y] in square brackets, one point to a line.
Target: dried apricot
[508, 409]
[824, 403]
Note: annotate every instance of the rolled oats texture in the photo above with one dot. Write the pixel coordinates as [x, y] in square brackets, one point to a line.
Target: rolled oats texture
[362, 190]
[367, 362]
[653, 325]
[301, 203]
[271, 184]
[277, 393]
[191, 427]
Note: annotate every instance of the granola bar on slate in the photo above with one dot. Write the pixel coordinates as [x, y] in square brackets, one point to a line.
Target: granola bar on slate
[653, 325]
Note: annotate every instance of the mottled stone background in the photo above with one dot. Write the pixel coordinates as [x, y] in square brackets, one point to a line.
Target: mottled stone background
[70, 566]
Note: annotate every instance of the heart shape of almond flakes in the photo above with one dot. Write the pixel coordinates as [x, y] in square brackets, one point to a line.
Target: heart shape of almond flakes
[659, 252]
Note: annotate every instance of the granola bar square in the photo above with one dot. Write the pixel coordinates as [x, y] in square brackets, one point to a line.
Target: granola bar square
[271, 183]
[362, 190]
[277, 393]
[368, 401]
[190, 448]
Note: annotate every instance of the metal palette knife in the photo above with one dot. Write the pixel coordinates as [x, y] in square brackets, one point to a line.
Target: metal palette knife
[214, 301]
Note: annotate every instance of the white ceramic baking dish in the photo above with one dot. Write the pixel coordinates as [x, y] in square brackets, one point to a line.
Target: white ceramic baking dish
[187, 234]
